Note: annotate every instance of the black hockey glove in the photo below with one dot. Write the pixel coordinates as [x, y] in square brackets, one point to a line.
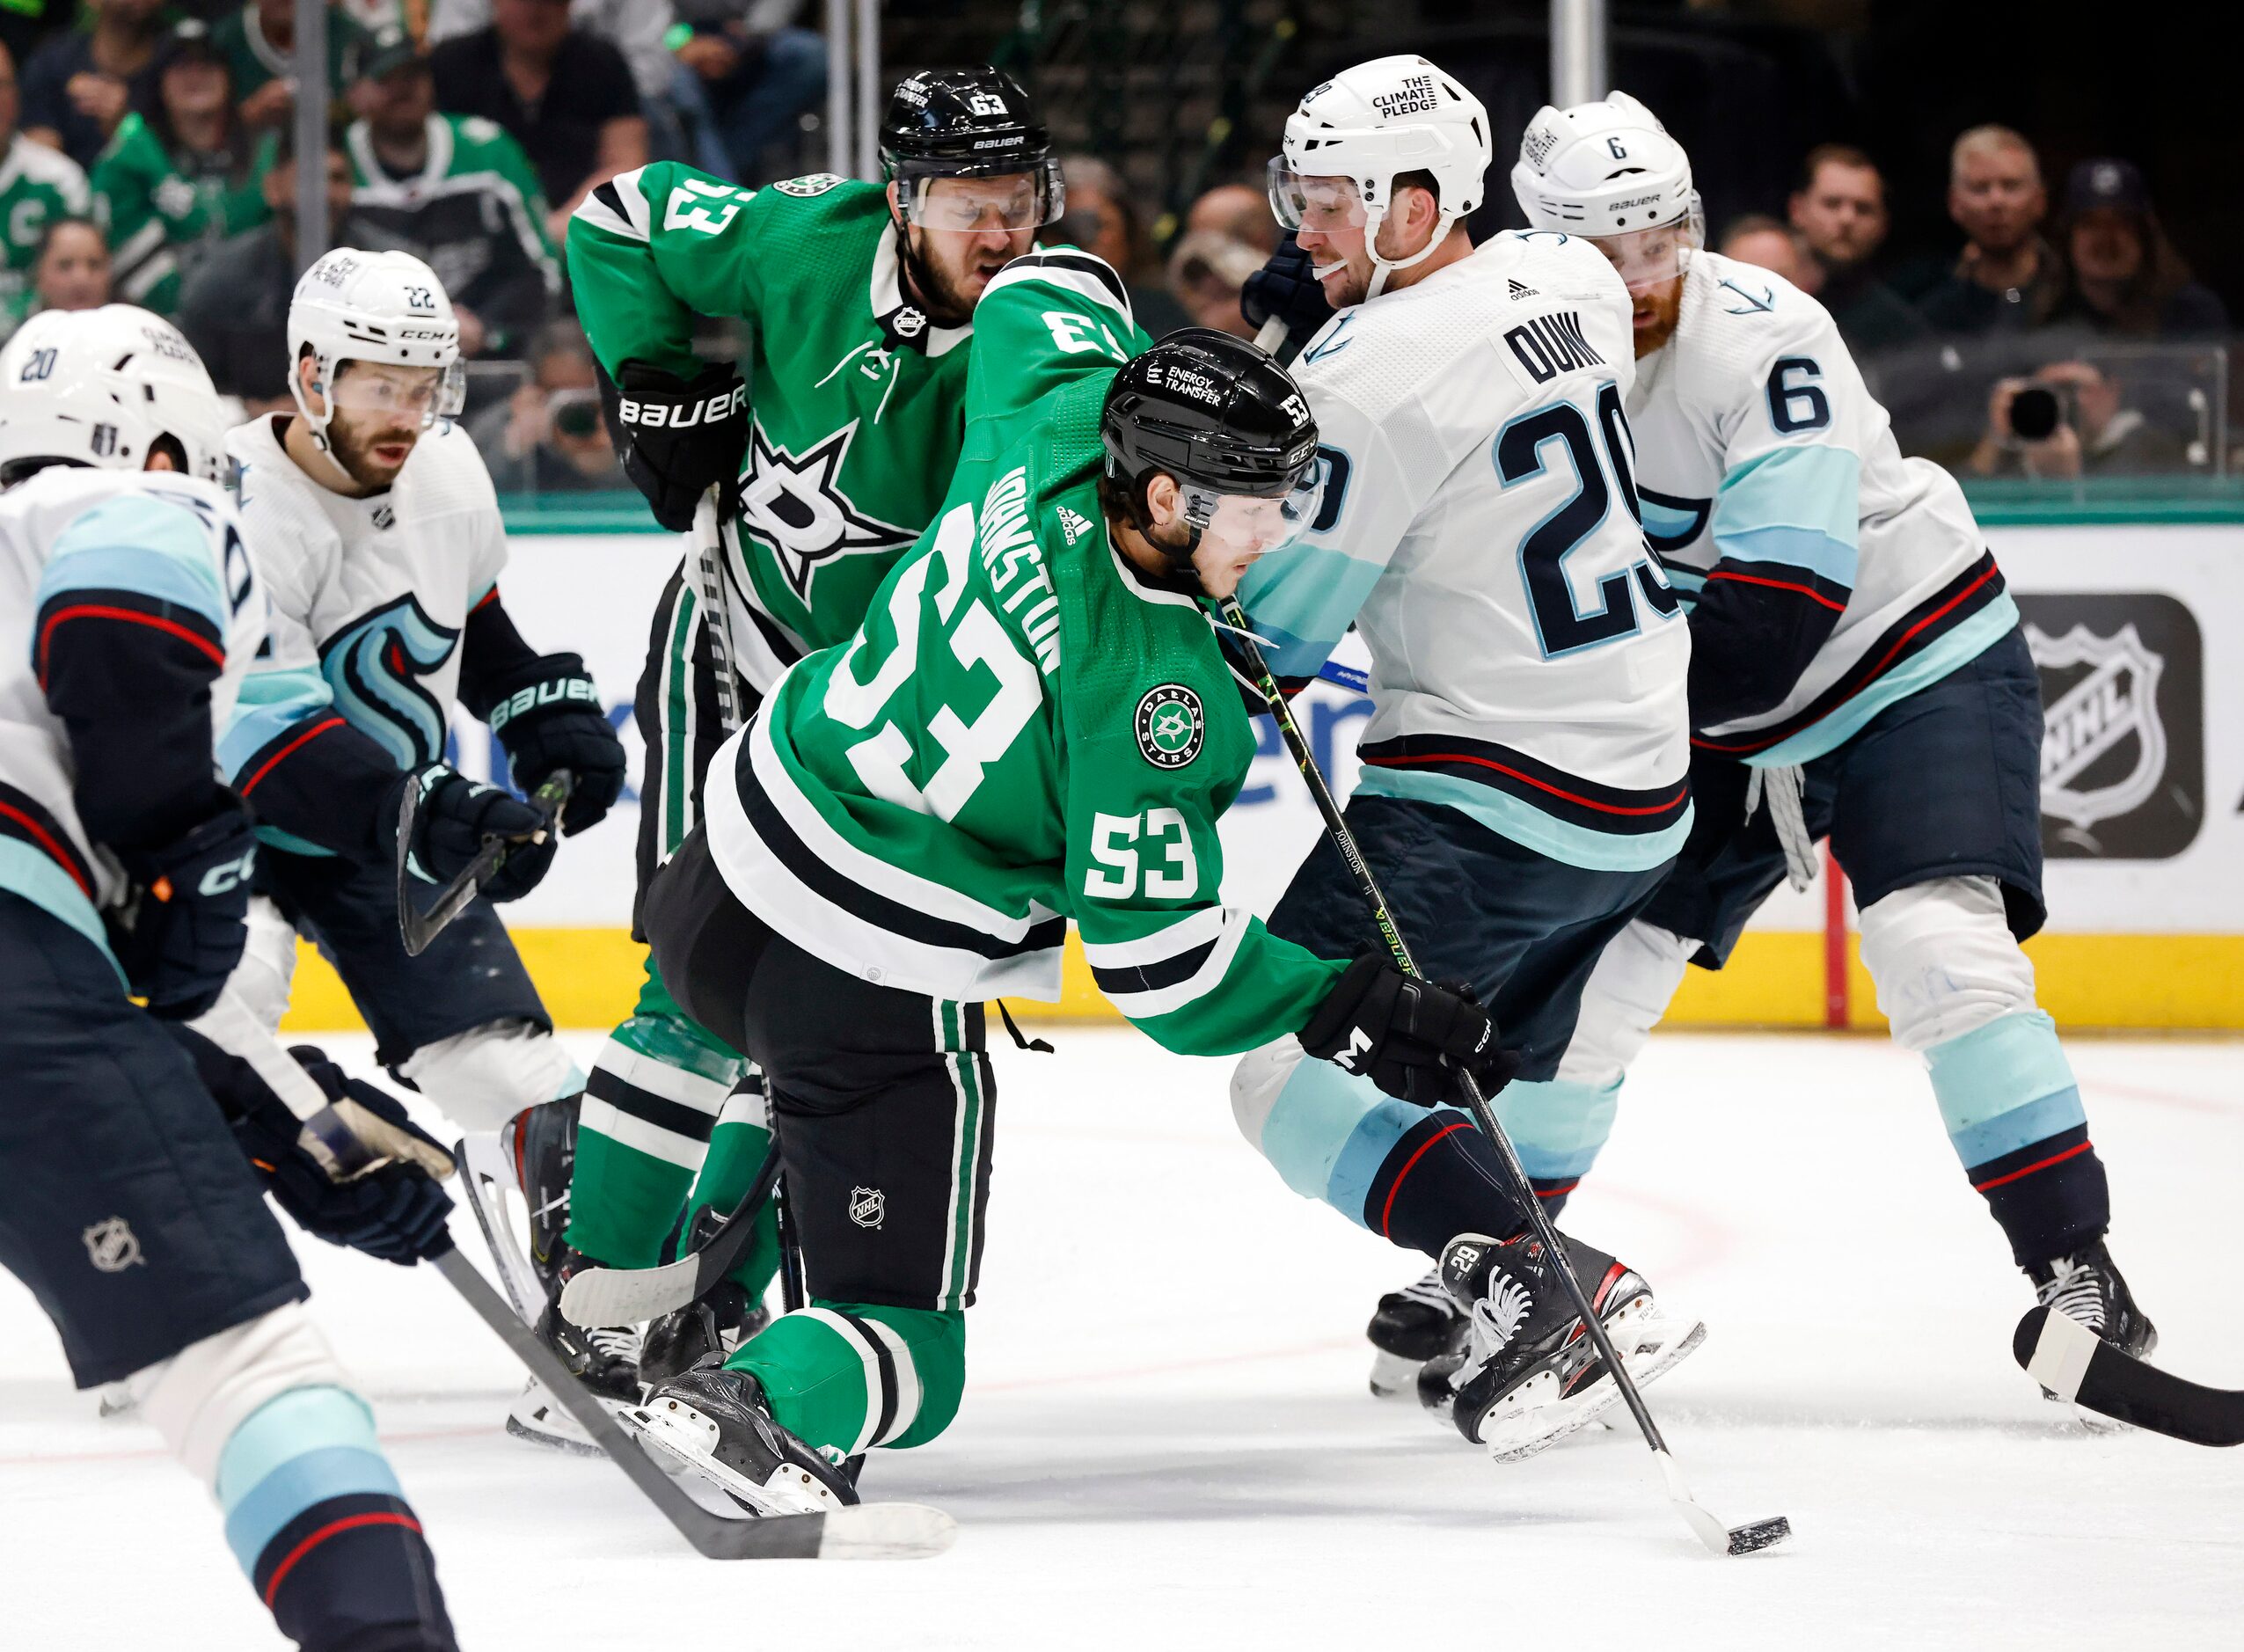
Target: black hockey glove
[1286, 287]
[1409, 1037]
[554, 721]
[179, 933]
[679, 439]
[458, 813]
[395, 1212]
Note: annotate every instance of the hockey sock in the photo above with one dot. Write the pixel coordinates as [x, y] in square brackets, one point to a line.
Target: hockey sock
[317, 1520]
[655, 1096]
[1417, 1177]
[1557, 1129]
[2012, 1110]
[850, 1376]
[736, 1151]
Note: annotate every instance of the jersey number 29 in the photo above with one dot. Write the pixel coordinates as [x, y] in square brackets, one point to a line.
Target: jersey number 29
[1521, 447]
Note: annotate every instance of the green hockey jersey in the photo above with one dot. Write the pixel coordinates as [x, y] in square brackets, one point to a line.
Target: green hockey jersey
[857, 395]
[37, 185]
[1025, 729]
[159, 213]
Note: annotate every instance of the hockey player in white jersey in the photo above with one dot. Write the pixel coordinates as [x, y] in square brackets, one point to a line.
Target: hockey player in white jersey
[128, 615]
[375, 526]
[1857, 673]
[1523, 787]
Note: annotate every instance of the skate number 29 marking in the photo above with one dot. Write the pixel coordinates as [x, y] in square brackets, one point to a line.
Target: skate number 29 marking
[1520, 452]
[1115, 841]
[976, 639]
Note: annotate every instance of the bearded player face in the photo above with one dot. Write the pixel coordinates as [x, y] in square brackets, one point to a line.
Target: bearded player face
[378, 413]
[963, 230]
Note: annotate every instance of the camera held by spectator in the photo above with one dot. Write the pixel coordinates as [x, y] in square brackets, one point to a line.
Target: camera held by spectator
[1206, 270]
[551, 436]
[2067, 421]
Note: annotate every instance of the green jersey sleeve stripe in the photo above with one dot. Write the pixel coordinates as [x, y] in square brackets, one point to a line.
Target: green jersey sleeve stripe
[619, 208]
[1081, 273]
[1193, 929]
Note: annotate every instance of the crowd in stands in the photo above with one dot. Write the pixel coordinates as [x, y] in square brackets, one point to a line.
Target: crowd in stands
[147, 154]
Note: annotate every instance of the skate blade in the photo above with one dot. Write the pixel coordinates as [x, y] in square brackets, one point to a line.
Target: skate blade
[538, 1419]
[1531, 1418]
[1394, 1377]
[684, 1444]
[487, 1178]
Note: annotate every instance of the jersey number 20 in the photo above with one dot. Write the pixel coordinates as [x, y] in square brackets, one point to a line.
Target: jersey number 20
[1520, 448]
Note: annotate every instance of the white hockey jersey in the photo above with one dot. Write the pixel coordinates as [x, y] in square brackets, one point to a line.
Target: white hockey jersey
[369, 595]
[1479, 529]
[132, 547]
[1827, 576]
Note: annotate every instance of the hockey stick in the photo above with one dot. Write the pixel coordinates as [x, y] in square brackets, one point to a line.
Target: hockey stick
[626, 1296]
[419, 926]
[2074, 1364]
[1758, 1534]
[862, 1531]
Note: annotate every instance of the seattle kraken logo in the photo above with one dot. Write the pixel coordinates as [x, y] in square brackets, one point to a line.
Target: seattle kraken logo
[374, 667]
[794, 503]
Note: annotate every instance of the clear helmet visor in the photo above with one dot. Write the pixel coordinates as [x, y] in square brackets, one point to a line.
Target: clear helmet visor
[1317, 203]
[1240, 525]
[383, 389]
[1005, 202]
[1648, 259]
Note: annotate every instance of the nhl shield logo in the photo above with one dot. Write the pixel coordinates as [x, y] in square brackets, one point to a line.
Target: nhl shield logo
[868, 1207]
[2103, 746]
[112, 1246]
[1171, 726]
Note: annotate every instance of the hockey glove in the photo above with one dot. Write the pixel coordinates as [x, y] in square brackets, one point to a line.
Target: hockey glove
[179, 934]
[554, 721]
[458, 813]
[1287, 286]
[1409, 1037]
[395, 1212]
[679, 439]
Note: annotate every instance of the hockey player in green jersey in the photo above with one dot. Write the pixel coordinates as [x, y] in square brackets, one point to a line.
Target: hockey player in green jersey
[861, 299]
[1034, 723]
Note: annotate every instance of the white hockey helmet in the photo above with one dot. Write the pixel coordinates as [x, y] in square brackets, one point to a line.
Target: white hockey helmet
[1351, 137]
[382, 307]
[1610, 170]
[102, 388]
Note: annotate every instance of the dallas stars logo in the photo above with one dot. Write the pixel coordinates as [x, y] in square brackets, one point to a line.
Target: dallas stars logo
[793, 502]
[1073, 524]
[1171, 726]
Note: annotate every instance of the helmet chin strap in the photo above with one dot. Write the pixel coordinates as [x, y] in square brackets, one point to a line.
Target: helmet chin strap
[1374, 220]
[316, 424]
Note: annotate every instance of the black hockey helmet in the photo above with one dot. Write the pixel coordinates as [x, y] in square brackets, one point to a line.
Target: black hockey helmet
[968, 123]
[1220, 417]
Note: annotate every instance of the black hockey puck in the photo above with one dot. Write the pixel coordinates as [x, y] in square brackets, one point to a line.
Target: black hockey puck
[1758, 1534]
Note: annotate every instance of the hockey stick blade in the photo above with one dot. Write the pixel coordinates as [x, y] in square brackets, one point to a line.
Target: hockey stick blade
[2074, 1364]
[894, 1530]
[419, 926]
[1719, 1539]
[630, 1296]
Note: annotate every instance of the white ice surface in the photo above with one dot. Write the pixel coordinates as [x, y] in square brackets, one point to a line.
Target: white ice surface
[1167, 1441]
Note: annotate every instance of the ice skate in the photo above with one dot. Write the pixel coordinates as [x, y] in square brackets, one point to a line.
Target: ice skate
[718, 1324]
[717, 1425]
[2087, 1286]
[1527, 1376]
[1418, 1322]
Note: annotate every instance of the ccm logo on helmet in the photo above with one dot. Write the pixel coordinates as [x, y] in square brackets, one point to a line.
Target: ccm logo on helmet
[654, 415]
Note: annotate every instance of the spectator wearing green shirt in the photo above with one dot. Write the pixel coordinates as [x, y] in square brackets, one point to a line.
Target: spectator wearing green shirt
[259, 42]
[455, 191]
[175, 181]
[38, 185]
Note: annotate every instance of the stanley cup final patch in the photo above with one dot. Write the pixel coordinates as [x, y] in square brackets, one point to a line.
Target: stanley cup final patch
[1171, 726]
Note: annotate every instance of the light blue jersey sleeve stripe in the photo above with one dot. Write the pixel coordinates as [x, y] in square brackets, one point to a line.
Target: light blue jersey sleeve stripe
[1797, 547]
[133, 543]
[1817, 490]
[269, 702]
[1303, 599]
